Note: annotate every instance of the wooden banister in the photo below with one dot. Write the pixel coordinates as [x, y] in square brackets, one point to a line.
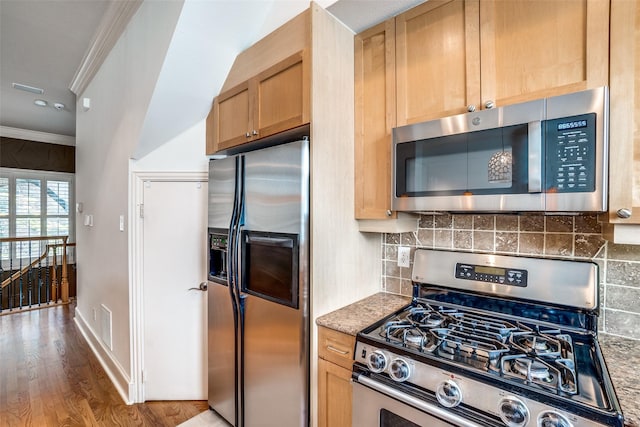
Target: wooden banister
[6, 282]
[32, 239]
[64, 280]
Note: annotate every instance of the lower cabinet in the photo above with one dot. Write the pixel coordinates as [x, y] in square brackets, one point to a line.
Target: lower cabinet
[334, 395]
[335, 351]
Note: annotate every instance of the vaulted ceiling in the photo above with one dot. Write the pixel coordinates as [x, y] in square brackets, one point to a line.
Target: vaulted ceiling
[43, 43]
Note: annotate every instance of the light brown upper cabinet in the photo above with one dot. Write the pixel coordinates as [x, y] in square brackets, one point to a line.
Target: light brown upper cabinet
[624, 128]
[437, 60]
[275, 100]
[231, 122]
[375, 117]
[538, 48]
[455, 55]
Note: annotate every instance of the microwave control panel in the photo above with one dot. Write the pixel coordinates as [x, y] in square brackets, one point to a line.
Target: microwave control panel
[491, 274]
[570, 154]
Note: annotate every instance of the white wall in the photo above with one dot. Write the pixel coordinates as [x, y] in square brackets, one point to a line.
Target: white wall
[184, 153]
[106, 135]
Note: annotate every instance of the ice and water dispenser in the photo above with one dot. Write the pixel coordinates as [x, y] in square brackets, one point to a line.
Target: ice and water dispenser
[217, 256]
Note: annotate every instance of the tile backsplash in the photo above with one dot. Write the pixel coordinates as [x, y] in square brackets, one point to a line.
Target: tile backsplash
[552, 236]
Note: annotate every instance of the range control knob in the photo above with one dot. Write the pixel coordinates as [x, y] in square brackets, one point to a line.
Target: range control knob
[513, 412]
[377, 361]
[399, 370]
[553, 419]
[449, 394]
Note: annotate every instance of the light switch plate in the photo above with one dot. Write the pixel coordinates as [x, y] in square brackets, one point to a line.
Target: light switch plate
[121, 222]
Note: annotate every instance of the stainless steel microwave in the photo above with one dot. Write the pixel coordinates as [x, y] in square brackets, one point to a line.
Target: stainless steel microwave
[547, 155]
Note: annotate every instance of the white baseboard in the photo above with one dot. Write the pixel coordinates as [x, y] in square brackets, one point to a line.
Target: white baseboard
[112, 367]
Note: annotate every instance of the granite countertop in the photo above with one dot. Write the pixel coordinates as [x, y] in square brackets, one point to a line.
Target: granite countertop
[621, 355]
[357, 316]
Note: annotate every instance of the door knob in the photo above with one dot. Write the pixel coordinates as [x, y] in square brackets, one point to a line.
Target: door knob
[202, 287]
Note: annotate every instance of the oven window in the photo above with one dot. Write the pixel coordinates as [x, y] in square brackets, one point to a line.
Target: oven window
[270, 266]
[389, 419]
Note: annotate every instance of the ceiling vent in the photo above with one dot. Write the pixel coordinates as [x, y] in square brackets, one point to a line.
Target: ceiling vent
[27, 88]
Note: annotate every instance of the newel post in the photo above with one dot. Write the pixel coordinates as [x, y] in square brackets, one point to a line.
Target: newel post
[65, 279]
[54, 273]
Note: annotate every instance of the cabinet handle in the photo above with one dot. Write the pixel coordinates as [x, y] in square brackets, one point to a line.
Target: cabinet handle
[335, 350]
[255, 132]
[471, 108]
[248, 135]
[624, 213]
[489, 104]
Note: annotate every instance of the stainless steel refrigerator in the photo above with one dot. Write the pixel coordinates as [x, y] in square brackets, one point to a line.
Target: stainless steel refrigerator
[258, 291]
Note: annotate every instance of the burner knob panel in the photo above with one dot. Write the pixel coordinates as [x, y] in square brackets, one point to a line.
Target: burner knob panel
[377, 361]
[553, 419]
[399, 370]
[449, 394]
[513, 412]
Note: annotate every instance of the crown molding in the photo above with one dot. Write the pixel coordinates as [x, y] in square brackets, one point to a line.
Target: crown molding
[34, 135]
[111, 27]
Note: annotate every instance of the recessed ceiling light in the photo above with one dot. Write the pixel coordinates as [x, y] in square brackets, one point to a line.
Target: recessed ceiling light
[58, 105]
[27, 88]
[40, 102]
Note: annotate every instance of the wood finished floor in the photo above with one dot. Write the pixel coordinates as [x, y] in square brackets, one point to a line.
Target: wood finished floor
[50, 378]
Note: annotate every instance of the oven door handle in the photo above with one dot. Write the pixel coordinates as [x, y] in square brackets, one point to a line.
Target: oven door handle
[417, 403]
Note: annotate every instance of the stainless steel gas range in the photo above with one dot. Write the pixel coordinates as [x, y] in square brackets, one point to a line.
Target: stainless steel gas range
[488, 340]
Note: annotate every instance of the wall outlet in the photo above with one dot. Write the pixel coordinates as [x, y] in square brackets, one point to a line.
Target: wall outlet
[404, 256]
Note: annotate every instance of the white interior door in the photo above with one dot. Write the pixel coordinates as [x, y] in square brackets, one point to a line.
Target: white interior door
[174, 260]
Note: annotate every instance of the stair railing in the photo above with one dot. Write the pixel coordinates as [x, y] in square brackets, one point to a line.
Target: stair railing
[23, 283]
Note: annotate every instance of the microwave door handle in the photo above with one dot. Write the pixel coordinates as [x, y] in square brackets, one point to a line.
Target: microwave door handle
[535, 157]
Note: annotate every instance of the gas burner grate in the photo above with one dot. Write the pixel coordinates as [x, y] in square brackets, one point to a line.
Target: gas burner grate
[537, 356]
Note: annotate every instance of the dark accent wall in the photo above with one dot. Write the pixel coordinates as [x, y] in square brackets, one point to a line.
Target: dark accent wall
[23, 154]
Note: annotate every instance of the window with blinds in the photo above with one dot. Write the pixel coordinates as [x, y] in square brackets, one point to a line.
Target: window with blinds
[34, 204]
[4, 216]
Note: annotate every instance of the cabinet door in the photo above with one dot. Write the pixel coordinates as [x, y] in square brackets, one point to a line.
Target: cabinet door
[624, 130]
[232, 117]
[437, 60]
[535, 48]
[211, 127]
[280, 97]
[334, 395]
[375, 117]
